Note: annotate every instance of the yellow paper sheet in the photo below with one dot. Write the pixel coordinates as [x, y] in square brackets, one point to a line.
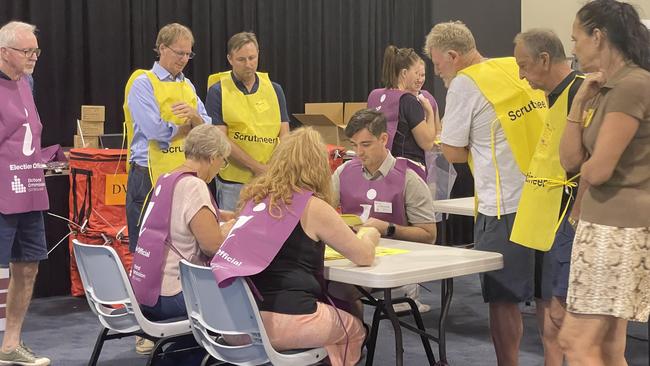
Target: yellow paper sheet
[351, 220]
[331, 254]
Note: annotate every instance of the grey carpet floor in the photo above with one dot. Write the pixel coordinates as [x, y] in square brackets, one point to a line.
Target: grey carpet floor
[64, 329]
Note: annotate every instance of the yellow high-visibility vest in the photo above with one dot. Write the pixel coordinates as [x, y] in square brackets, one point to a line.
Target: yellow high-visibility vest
[167, 94]
[539, 212]
[520, 110]
[253, 122]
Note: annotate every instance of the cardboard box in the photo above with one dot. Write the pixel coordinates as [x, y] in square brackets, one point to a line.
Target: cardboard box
[91, 141]
[350, 108]
[329, 120]
[94, 113]
[90, 128]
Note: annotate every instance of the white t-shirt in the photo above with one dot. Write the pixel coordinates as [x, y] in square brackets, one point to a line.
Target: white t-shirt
[467, 122]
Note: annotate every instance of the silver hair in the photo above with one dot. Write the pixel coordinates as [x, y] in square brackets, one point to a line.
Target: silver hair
[540, 40]
[9, 32]
[206, 142]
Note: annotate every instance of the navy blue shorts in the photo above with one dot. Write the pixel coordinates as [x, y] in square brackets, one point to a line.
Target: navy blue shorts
[560, 255]
[22, 238]
[515, 282]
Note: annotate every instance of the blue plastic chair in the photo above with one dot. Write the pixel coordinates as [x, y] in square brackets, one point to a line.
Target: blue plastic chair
[215, 311]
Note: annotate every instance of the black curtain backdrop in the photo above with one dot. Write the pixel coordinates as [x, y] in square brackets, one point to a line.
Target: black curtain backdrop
[318, 50]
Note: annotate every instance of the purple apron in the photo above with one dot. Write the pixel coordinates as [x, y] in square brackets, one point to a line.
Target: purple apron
[149, 256]
[22, 182]
[256, 238]
[387, 101]
[382, 198]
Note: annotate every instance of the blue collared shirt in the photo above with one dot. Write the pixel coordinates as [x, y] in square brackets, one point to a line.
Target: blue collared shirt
[147, 123]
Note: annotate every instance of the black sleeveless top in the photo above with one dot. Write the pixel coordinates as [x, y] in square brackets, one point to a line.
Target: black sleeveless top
[291, 284]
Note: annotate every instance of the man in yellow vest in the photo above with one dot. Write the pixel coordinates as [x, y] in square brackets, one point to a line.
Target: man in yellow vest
[251, 110]
[160, 109]
[493, 119]
[548, 196]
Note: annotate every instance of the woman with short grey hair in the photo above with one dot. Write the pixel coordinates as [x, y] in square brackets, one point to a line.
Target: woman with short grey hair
[206, 142]
[181, 199]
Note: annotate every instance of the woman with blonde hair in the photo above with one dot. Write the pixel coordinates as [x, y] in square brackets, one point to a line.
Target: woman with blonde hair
[292, 201]
[608, 140]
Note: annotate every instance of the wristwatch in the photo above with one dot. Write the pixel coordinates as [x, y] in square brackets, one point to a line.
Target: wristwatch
[390, 231]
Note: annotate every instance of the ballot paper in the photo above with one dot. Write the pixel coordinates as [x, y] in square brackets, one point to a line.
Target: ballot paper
[331, 254]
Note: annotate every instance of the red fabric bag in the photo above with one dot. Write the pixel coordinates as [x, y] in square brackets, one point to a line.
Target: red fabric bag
[96, 208]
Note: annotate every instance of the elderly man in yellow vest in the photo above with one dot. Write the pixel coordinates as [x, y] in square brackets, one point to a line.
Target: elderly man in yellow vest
[160, 108]
[543, 220]
[493, 120]
[251, 110]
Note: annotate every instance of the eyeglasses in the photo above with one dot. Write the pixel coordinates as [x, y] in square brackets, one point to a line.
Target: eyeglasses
[29, 52]
[190, 55]
[226, 163]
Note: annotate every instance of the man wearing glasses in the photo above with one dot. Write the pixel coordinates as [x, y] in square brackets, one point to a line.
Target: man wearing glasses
[22, 186]
[251, 110]
[160, 109]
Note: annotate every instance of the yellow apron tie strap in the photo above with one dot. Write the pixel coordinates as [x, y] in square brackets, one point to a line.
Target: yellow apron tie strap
[496, 166]
[569, 184]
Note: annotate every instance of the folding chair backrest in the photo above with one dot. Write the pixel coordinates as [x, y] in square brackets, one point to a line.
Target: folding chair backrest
[232, 310]
[215, 311]
[106, 283]
[105, 278]
[234, 313]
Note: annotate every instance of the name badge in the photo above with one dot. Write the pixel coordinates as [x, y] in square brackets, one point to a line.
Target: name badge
[261, 106]
[383, 207]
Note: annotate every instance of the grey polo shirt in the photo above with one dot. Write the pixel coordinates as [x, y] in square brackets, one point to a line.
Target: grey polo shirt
[417, 196]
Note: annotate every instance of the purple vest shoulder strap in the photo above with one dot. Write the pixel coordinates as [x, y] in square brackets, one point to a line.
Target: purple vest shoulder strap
[256, 238]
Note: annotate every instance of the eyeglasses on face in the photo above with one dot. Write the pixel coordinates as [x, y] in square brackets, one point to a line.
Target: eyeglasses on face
[28, 52]
[226, 163]
[190, 55]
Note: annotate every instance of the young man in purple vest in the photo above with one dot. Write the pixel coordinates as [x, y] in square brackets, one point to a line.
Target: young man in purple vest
[388, 193]
[23, 192]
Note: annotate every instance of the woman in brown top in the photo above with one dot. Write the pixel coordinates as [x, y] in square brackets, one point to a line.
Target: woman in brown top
[608, 140]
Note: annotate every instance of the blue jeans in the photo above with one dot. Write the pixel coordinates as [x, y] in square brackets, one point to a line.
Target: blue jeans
[138, 185]
[227, 194]
[167, 307]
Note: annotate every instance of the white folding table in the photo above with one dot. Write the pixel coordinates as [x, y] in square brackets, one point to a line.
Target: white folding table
[455, 206]
[423, 263]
